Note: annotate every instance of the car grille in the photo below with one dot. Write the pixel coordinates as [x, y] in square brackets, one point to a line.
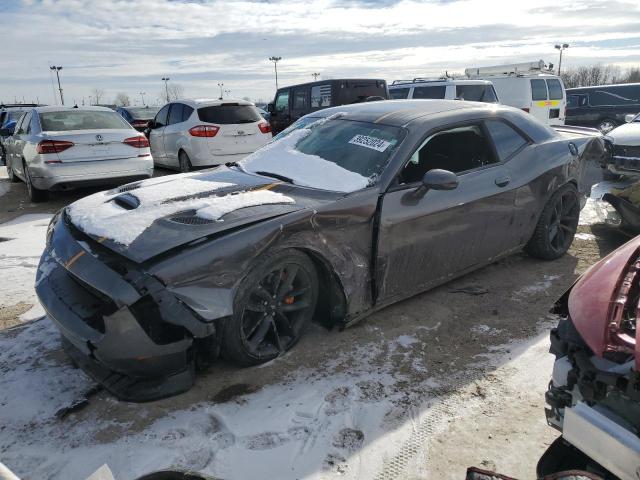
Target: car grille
[626, 151]
[81, 299]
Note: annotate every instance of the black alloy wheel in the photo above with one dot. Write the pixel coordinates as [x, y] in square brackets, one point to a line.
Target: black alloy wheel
[557, 225]
[275, 304]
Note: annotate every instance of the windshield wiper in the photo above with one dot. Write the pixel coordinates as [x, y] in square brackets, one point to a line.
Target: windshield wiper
[276, 175]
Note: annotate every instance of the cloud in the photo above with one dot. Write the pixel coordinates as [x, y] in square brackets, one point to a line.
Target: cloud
[128, 46]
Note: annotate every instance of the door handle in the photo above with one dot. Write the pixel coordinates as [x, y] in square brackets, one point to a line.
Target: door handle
[503, 181]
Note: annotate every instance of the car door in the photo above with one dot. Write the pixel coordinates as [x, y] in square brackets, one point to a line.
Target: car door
[539, 100]
[423, 241]
[172, 133]
[300, 103]
[18, 143]
[156, 140]
[281, 116]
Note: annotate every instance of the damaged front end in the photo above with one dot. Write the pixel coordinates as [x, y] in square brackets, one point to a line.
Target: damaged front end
[594, 395]
[120, 324]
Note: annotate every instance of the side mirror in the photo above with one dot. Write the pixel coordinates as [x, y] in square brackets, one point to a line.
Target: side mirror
[629, 117]
[271, 108]
[151, 124]
[437, 179]
[5, 132]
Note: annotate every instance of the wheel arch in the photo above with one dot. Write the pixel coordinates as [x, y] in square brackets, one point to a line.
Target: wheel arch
[331, 308]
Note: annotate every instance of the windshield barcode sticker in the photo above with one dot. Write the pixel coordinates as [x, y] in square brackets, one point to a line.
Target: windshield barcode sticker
[370, 142]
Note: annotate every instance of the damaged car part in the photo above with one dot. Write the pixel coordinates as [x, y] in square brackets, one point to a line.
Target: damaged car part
[386, 200]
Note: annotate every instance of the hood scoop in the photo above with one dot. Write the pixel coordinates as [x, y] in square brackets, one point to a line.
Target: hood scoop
[126, 201]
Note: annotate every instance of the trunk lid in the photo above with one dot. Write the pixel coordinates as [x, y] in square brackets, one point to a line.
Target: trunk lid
[238, 138]
[92, 145]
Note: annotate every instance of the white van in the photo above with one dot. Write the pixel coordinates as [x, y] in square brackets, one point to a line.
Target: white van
[444, 88]
[530, 86]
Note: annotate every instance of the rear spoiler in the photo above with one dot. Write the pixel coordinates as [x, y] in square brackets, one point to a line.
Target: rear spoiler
[594, 132]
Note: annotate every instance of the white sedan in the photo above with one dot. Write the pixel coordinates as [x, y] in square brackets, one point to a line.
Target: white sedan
[60, 148]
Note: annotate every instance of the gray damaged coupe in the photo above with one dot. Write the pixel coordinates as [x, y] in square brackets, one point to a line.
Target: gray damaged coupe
[347, 211]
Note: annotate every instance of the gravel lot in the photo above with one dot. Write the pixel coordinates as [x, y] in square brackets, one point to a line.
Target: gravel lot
[422, 389]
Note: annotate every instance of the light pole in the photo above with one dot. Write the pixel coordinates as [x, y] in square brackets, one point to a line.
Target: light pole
[221, 92]
[166, 86]
[142, 94]
[315, 76]
[562, 48]
[57, 70]
[228, 93]
[275, 61]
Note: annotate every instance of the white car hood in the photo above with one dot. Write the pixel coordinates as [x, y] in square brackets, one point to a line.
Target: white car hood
[627, 134]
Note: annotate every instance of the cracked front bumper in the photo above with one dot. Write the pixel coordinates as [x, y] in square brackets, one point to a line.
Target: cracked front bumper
[135, 340]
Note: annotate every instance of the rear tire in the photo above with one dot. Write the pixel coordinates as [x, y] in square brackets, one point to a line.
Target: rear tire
[273, 306]
[13, 178]
[557, 225]
[185, 163]
[35, 195]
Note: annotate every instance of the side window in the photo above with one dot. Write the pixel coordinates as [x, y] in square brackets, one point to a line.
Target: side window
[555, 89]
[476, 93]
[399, 93]
[33, 124]
[300, 99]
[538, 89]
[321, 96]
[175, 114]
[161, 117]
[282, 101]
[429, 92]
[457, 150]
[506, 139]
[24, 123]
[573, 101]
[186, 112]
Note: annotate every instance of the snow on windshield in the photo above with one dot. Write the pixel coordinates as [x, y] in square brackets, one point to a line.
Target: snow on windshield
[282, 157]
[99, 215]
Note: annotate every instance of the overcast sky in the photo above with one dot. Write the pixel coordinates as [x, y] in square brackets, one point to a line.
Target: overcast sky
[123, 46]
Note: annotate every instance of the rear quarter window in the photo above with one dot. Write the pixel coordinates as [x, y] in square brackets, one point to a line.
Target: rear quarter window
[507, 140]
[476, 93]
[228, 114]
[538, 89]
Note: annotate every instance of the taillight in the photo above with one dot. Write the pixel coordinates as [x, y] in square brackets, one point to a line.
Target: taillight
[137, 141]
[53, 146]
[204, 131]
[525, 110]
[264, 127]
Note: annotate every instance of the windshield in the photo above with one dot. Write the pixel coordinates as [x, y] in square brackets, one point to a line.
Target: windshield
[81, 120]
[143, 113]
[301, 123]
[331, 154]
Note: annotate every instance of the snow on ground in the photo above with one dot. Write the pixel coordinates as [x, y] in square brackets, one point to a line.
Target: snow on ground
[21, 243]
[598, 211]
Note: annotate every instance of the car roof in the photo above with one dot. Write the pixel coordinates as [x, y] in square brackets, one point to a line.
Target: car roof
[445, 81]
[400, 112]
[210, 102]
[92, 108]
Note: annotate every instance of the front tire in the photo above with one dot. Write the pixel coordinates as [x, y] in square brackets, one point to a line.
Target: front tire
[557, 225]
[185, 163]
[273, 307]
[35, 195]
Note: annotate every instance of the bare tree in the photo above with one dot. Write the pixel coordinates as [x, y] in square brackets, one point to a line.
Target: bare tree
[98, 93]
[589, 75]
[174, 91]
[122, 99]
[632, 75]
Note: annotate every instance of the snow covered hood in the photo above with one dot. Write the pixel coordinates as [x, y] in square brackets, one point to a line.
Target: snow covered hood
[144, 219]
[627, 134]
